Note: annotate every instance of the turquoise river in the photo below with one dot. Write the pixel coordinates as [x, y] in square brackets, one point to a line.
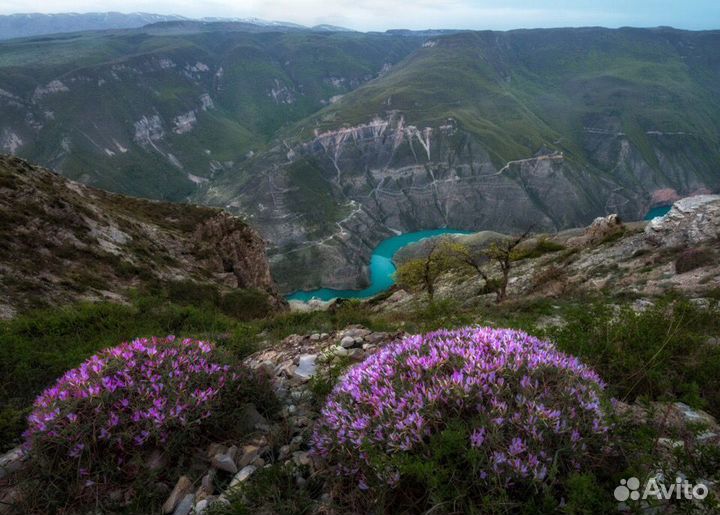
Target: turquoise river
[381, 268]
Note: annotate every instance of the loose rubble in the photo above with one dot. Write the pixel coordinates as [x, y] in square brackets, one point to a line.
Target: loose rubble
[290, 365]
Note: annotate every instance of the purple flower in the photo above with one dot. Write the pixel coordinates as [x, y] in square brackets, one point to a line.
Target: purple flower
[516, 395]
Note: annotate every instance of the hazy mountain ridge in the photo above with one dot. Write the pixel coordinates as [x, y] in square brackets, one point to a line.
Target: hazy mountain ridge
[24, 25]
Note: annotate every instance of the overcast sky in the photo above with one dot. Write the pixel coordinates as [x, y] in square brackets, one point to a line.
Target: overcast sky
[418, 14]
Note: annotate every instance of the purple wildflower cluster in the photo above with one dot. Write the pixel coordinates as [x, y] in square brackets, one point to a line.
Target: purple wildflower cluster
[128, 398]
[523, 403]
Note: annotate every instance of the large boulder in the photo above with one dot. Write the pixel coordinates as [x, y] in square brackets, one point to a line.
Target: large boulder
[691, 221]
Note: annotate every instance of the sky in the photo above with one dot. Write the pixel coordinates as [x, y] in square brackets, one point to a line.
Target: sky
[419, 14]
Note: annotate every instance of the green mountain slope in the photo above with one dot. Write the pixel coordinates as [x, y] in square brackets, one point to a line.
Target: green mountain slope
[155, 111]
[518, 90]
[488, 130]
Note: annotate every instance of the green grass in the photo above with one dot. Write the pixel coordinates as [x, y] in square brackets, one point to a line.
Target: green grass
[42, 345]
[660, 354]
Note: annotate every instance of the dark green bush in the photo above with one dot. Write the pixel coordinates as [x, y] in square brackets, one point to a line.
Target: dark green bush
[246, 304]
[192, 293]
[690, 259]
[271, 490]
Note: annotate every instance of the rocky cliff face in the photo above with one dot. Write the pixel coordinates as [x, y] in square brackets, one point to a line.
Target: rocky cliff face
[487, 131]
[64, 242]
[327, 202]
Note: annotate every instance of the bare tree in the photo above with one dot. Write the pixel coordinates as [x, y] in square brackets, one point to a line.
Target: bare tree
[501, 252]
[424, 272]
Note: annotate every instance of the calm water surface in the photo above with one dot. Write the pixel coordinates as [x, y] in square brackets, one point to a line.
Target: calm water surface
[381, 268]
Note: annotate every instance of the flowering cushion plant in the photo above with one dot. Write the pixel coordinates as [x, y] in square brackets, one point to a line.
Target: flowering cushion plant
[495, 406]
[103, 419]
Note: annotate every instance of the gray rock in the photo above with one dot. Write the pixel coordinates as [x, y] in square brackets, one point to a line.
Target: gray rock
[691, 221]
[216, 448]
[315, 337]
[249, 454]
[347, 342]
[301, 458]
[340, 351]
[356, 354]
[251, 419]
[185, 505]
[224, 462]
[182, 488]
[207, 486]
[11, 461]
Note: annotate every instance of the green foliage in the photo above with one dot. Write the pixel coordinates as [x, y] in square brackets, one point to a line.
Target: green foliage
[541, 247]
[409, 275]
[245, 304]
[191, 293]
[271, 490]
[329, 370]
[421, 274]
[585, 496]
[661, 353]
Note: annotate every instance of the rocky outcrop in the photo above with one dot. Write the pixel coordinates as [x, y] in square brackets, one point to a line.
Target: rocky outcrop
[601, 229]
[233, 247]
[691, 221]
[387, 176]
[678, 252]
[65, 242]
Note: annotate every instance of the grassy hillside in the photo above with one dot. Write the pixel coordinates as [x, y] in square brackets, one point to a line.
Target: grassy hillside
[81, 102]
[520, 90]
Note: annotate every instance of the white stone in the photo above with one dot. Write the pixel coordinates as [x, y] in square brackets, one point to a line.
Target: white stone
[243, 475]
[306, 367]
[201, 506]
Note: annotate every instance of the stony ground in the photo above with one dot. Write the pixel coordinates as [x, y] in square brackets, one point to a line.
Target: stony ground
[299, 360]
[609, 257]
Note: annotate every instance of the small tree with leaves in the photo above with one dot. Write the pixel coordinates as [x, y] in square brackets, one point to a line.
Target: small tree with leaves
[503, 253]
[422, 273]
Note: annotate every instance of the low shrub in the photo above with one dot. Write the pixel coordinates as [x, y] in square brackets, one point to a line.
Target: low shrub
[273, 490]
[246, 304]
[690, 259]
[541, 247]
[94, 433]
[661, 353]
[462, 420]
